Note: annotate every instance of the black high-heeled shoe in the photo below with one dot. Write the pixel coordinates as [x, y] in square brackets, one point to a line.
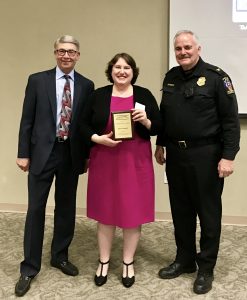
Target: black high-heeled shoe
[128, 281]
[100, 280]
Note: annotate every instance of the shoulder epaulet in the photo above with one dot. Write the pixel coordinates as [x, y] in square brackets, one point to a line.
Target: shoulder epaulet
[216, 69]
[172, 70]
[224, 77]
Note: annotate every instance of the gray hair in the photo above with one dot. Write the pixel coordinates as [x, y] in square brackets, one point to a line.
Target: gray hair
[67, 39]
[196, 39]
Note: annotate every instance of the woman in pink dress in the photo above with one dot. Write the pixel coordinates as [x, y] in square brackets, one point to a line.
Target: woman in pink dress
[121, 177]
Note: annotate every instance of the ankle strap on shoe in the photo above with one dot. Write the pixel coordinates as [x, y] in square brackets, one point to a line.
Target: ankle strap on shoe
[129, 264]
[102, 265]
[127, 267]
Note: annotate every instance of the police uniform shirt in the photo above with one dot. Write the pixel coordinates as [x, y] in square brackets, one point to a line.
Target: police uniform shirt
[200, 104]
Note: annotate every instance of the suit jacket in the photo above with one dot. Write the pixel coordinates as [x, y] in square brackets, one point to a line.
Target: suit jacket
[37, 132]
[97, 111]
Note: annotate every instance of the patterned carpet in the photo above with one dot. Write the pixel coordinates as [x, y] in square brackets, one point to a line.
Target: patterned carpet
[155, 250]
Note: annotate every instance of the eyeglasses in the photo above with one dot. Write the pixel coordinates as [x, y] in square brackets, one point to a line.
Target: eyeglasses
[62, 52]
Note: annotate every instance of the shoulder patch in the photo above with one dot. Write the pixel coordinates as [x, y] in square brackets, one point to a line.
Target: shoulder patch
[228, 85]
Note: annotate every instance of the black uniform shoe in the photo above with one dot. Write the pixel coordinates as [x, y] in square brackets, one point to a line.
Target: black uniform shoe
[175, 270]
[66, 267]
[23, 285]
[203, 283]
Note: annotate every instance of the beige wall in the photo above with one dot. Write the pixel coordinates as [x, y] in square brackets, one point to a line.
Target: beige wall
[139, 27]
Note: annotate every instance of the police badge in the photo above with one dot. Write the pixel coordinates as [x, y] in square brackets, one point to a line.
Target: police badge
[201, 81]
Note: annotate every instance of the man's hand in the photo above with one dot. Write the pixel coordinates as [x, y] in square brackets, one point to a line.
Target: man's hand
[23, 163]
[225, 167]
[159, 155]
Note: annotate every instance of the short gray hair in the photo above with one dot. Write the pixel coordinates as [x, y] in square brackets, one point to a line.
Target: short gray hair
[196, 39]
[67, 39]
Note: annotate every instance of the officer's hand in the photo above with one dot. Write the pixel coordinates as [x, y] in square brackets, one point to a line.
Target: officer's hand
[225, 167]
[23, 163]
[159, 155]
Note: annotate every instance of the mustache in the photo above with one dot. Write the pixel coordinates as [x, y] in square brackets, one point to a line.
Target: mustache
[184, 56]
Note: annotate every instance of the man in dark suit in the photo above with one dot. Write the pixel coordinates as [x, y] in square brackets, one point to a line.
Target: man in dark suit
[47, 152]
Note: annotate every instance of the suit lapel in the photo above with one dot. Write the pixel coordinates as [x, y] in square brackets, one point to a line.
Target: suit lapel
[51, 90]
[77, 93]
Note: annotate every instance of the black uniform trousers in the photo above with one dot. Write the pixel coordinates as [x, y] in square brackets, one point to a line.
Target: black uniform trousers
[59, 165]
[195, 191]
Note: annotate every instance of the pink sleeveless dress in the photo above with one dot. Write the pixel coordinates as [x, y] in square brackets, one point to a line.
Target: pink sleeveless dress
[121, 179]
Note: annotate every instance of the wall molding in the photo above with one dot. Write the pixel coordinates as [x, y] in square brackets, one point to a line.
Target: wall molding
[159, 216]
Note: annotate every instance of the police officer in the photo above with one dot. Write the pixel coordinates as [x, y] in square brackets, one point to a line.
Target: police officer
[201, 134]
